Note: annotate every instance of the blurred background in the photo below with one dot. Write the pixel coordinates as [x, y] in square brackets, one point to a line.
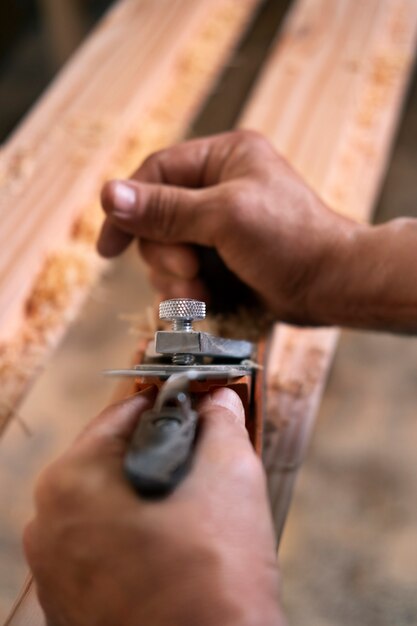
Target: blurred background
[349, 553]
[36, 38]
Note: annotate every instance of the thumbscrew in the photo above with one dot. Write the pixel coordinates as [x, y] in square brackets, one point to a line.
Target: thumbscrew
[182, 312]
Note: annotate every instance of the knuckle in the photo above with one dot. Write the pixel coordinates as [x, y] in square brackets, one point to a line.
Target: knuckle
[231, 219]
[253, 138]
[238, 200]
[56, 487]
[235, 197]
[151, 160]
[164, 212]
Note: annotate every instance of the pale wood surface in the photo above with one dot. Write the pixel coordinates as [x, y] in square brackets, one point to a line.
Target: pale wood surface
[133, 87]
[329, 99]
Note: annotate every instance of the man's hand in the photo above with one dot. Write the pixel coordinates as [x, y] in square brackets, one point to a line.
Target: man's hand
[233, 193]
[205, 555]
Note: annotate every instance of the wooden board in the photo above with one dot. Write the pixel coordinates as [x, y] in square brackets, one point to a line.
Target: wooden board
[133, 87]
[329, 99]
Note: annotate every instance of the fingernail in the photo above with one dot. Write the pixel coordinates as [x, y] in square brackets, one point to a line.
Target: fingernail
[124, 198]
[228, 399]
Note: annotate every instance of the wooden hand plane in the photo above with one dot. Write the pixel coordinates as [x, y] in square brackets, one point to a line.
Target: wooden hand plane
[183, 364]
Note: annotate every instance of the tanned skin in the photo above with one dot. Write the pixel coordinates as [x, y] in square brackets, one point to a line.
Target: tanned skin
[233, 192]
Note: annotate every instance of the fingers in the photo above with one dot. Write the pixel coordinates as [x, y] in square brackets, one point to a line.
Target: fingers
[161, 201]
[178, 260]
[160, 213]
[228, 402]
[174, 270]
[223, 433]
[169, 286]
[193, 163]
[112, 241]
[224, 453]
[95, 460]
[112, 429]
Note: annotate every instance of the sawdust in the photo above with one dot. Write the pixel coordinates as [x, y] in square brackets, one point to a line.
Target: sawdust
[88, 134]
[53, 304]
[87, 226]
[61, 274]
[385, 70]
[15, 170]
[293, 386]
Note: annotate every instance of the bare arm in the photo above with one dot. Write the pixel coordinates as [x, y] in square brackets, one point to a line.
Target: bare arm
[373, 284]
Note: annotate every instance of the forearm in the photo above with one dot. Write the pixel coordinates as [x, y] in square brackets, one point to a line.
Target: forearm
[370, 279]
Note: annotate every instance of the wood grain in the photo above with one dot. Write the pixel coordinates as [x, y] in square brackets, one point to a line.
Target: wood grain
[329, 99]
[133, 87]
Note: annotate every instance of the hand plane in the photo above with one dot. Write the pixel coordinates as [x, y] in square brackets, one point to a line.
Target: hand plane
[183, 364]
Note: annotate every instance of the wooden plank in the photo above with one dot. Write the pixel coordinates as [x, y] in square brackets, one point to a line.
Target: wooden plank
[133, 87]
[329, 100]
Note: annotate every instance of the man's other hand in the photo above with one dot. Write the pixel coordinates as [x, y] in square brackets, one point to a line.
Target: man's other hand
[205, 555]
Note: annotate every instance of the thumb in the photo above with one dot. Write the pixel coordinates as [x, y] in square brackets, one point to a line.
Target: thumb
[226, 401]
[162, 213]
[111, 430]
[223, 439]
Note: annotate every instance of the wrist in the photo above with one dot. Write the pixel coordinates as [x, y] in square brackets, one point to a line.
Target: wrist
[341, 278]
[248, 597]
[366, 279]
[232, 607]
[229, 596]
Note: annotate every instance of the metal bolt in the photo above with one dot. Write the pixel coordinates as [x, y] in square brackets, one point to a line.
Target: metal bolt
[182, 312]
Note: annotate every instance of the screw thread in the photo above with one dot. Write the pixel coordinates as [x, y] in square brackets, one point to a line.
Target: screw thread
[183, 325]
[183, 359]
